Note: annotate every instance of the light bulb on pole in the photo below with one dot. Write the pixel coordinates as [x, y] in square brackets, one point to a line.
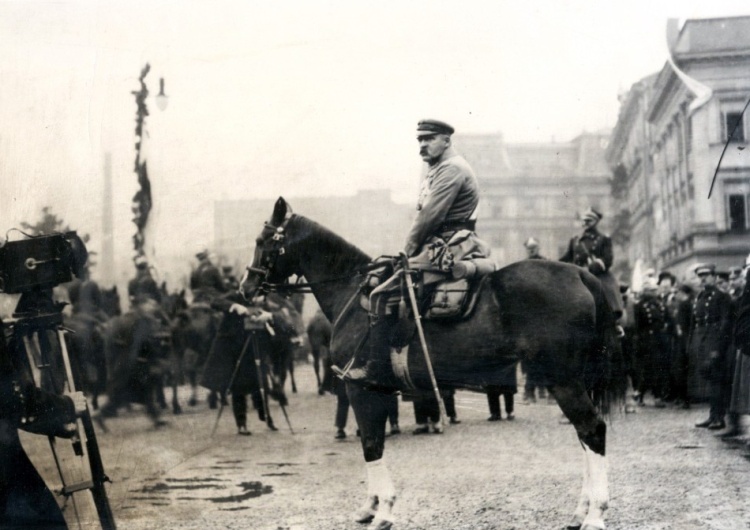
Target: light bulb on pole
[161, 98]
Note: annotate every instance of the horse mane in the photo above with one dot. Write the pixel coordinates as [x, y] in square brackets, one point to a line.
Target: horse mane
[340, 254]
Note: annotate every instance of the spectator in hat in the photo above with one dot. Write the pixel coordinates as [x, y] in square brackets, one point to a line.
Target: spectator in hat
[447, 204]
[532, 249]
[592, 250]
[707, 347]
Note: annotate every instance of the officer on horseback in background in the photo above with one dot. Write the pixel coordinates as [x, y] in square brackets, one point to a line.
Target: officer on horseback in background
[143, 285]
[447, 203]
[206, 281]
[592, 250]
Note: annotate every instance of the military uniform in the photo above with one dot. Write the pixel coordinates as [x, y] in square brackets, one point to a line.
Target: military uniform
[447, 203]
[592, 250]
[652, 321]
[206, 282]
[708, 343]
[143, 286]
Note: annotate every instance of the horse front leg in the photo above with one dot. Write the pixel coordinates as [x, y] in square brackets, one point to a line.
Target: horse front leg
[592, 431]
[372, 415]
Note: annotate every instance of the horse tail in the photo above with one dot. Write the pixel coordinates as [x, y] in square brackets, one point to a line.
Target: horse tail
[605, 372]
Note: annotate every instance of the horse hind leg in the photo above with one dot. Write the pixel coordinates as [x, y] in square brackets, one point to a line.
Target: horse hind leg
[591, 430]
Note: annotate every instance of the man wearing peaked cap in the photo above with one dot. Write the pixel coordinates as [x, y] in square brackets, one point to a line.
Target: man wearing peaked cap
[447, 204]
[592, 250]
[206, 281]
[708, 346]
[431, 127]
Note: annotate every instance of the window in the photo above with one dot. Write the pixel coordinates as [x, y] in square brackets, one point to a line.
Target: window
[737, 206]
[734, 127]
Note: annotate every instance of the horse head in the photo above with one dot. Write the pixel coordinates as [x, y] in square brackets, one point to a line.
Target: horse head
[273, 259]
[110, 301]
[174, 303]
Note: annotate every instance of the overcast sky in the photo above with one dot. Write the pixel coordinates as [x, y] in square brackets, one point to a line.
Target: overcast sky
[295, 98]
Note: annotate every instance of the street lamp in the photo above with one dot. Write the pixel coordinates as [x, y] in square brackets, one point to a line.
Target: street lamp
[161, 97]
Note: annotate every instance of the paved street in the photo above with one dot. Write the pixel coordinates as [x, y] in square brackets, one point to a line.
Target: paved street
[664, 473]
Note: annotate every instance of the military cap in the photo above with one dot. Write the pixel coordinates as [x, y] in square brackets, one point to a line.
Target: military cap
[592, 214]
[723, 275]
[705, 268]
[203, 254]
[531, 242]
[432, 127]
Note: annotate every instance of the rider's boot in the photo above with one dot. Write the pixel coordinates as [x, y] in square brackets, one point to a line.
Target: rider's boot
[377, 372]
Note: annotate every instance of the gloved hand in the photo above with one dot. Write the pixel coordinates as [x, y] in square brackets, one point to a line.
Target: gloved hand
[597, 266]
[238, 309]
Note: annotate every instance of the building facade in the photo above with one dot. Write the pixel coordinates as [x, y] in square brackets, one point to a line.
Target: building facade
[536, 190]
[675, 142]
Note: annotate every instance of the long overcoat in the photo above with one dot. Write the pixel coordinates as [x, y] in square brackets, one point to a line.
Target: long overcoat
[232, 339]
[709, 334]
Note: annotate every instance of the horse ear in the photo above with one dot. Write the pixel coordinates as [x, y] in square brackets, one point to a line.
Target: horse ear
[280, 211]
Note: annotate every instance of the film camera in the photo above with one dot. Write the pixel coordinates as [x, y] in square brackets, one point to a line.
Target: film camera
[41, 262]
[31, 267]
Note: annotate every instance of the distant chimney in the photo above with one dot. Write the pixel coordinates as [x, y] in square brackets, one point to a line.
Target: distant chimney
[673, 32]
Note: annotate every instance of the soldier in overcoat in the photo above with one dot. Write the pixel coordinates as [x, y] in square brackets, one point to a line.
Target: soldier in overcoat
[143, 285]
[652, 343]
[206, 281]
[242, 339]
[592, 250]
[708, 346]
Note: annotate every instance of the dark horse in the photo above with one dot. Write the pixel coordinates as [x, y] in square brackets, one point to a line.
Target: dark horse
[193, 331]
[552, 314]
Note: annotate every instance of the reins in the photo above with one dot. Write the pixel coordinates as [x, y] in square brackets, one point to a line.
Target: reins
[305, 287]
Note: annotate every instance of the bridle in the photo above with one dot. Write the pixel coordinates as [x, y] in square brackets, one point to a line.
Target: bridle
[268, 263]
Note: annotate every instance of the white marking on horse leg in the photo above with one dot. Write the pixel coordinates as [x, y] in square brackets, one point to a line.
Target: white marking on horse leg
[598, 490]
[380, 484]
[583, 501]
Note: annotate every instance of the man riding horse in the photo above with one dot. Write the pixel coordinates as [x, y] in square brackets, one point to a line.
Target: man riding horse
[206, 281]
[143, 285]
[447, 203]
[592, 250]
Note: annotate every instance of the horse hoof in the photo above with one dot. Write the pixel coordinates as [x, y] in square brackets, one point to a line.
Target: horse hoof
[176, 410]
[193, 402]
[364, 516]
[380, 524]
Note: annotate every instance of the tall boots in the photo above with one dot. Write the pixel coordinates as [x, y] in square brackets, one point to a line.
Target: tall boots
[377, 372]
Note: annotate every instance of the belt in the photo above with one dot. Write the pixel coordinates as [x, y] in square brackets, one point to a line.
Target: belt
[454, 226]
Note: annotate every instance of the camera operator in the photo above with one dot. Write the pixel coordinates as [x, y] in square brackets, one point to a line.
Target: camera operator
[25, 500]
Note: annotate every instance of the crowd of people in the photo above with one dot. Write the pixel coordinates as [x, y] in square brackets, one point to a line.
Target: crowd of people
[687, 342]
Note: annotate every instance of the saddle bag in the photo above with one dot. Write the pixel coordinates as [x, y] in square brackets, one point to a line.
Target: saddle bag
[448, 299]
